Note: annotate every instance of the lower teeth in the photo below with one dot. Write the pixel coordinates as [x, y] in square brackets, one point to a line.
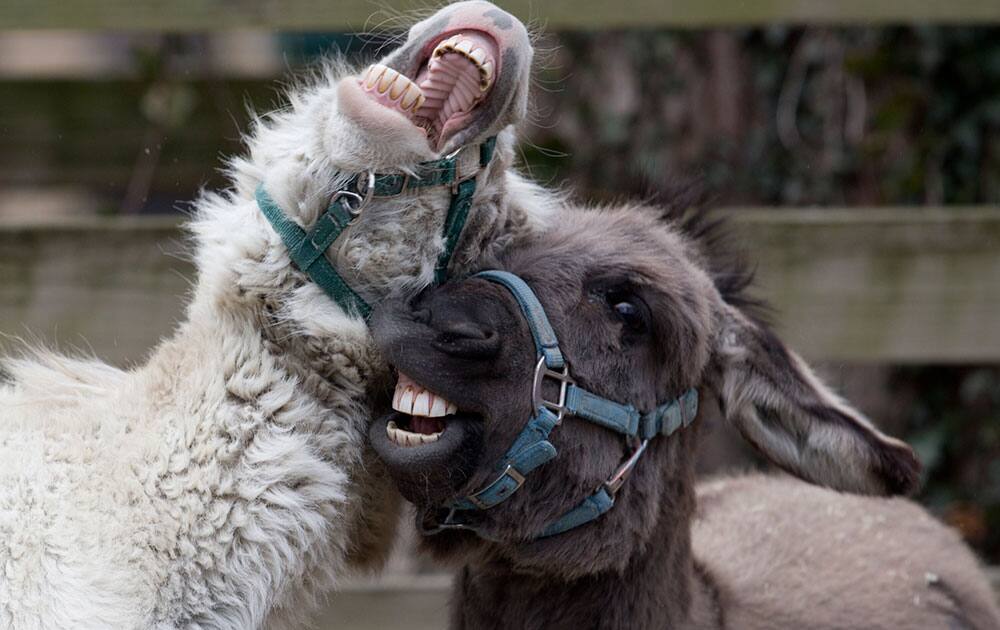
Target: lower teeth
[403, 437]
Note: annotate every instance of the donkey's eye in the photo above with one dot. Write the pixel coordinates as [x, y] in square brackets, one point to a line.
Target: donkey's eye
[628, 309]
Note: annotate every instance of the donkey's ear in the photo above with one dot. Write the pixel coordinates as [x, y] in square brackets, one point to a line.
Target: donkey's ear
[783, 409]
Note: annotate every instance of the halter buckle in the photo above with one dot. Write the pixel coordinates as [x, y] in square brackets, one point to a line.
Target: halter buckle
[565, 380]
[509, 471]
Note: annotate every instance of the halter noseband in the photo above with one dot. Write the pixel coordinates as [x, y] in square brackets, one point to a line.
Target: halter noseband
[307, 249]
[532, 448]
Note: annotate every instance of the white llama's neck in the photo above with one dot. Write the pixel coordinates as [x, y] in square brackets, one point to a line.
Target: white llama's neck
[271, 425]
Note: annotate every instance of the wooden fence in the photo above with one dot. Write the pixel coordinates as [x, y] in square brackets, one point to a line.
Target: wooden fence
[352, 15]
[413, 605]
[862, 284]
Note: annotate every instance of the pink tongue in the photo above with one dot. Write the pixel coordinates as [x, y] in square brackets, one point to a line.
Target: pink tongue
[450, 83]
[426, 426]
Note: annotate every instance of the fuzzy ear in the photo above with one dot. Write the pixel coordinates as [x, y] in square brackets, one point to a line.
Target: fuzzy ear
[783, 409]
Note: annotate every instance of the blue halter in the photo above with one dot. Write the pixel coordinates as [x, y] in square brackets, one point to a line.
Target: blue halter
[532, 448]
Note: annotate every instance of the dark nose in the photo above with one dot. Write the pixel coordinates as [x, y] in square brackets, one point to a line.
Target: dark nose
[466, 339]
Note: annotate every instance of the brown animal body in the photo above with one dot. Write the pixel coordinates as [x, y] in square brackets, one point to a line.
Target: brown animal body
[837, 560]
[643, 311]
[763, 552]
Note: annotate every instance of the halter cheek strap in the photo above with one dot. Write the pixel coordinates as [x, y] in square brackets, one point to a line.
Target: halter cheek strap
[532, 448]
[307, 249]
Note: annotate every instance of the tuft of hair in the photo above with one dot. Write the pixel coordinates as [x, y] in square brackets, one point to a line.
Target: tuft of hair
[43, 376]
[687, 207]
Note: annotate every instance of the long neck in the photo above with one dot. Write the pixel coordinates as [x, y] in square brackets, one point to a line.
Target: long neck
[248, 422]
[661, 586]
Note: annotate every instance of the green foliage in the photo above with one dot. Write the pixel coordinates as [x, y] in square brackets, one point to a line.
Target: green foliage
[780, 116]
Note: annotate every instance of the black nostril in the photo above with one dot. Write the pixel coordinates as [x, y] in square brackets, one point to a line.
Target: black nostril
[467, 340]
[465, 330]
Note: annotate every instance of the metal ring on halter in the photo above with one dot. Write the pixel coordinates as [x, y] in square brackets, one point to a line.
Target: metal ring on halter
[365, 193]
[351, 201]
[542, 372]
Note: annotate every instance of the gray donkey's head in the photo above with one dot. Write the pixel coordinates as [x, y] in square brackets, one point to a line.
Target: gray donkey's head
[643, 313]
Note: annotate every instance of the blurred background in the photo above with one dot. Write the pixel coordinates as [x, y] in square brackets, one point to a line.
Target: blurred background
[856, 145]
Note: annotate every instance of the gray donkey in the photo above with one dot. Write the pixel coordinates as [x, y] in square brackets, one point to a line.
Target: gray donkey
[556, 464]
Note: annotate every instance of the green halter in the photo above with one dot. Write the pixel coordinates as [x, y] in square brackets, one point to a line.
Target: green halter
[307, 248]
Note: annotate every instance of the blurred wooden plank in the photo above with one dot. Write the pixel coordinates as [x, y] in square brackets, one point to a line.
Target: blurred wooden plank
[415, 602]
[112, 285]
[354, 15]
[881, 285]
[90, 133]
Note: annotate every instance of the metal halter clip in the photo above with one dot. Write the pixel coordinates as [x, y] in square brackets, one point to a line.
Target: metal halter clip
[429, 529]
[455, 153]
[351, 201]
[354, 201]
[565, 380]
[617, 480]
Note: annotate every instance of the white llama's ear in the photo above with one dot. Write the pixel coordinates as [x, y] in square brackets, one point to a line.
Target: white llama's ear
[785, 411]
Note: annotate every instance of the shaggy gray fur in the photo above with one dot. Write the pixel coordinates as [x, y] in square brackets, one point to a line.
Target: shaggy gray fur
[756, 552]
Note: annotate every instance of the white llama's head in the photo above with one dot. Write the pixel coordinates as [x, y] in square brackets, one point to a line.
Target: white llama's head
[431, 107]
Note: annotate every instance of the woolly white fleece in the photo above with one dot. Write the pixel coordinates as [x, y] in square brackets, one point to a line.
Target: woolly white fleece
[225, 483]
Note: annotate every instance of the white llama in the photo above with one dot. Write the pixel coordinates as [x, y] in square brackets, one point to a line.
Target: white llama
[225, 482]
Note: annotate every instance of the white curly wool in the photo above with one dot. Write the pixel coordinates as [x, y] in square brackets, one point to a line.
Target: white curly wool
[225, 482]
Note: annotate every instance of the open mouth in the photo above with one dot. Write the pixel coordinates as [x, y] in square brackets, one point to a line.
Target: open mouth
[429, 446]
[422, 414]
[454, 77]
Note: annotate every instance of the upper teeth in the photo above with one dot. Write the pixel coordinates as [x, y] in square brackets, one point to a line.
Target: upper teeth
[393, 86]
[475, 54]
[415, 400]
